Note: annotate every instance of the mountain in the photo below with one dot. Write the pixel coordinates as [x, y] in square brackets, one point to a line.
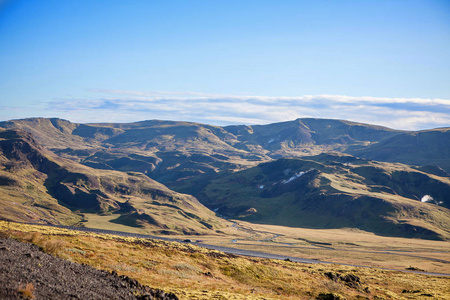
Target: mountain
[38, 186]
[164, 150]
[428, 147]
[169, 151]
[335, 191]
[308, 136]
[226, 166]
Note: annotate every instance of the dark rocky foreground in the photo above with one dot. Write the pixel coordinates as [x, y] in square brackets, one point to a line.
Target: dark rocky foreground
[49, 277]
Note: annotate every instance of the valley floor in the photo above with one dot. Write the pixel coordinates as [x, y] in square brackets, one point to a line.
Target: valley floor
[345, 246]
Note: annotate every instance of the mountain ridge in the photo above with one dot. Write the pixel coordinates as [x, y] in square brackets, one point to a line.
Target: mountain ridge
[235, 146]
[189, 157]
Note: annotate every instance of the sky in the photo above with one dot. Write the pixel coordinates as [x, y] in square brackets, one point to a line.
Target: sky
[383, 62]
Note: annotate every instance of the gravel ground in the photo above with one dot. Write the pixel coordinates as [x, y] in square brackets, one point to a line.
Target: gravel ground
[49, 277]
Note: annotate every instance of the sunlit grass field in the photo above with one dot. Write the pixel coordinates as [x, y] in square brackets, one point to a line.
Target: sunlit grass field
[348, 246]
[197, 273]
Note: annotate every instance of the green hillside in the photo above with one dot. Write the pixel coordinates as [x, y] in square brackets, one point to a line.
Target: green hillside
[429, 147]
[335, 191]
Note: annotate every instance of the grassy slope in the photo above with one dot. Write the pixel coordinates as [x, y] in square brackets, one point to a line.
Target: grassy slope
[335, 192]
[52, 133]
[429, 147]
[195, 273]
[38, 186]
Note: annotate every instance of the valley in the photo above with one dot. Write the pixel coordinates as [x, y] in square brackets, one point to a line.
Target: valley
[158, 176]
[323, 190]
[342, 246]
[224, 150]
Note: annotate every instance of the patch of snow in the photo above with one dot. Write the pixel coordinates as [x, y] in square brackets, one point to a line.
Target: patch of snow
[215, 209]
[427, 198]
[296, 175]
[271, 141]
[261, 187]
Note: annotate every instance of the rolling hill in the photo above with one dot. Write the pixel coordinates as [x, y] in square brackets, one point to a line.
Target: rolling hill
[335, 191]
[223, 167]
[169, 151]
[38, 186]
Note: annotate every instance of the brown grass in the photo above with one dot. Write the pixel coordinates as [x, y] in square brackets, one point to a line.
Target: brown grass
[347, 245]
[49, 245]
[27, 291]
[197, 273]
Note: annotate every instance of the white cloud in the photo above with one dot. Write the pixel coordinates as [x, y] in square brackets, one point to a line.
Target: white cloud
[155, 95]
[129, 106]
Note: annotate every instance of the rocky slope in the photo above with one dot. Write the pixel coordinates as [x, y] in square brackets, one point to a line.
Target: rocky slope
[28, 273]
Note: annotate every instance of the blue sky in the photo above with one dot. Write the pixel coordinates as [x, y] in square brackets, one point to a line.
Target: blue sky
[227, 62]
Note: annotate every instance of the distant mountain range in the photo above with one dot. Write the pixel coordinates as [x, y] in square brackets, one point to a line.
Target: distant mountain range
[309, 172]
